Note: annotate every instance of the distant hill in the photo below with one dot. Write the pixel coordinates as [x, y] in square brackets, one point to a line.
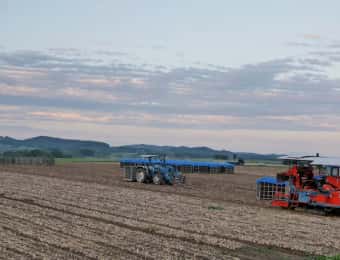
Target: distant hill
[189, 152]
[72, 147]
[171, 151]
[80, 148]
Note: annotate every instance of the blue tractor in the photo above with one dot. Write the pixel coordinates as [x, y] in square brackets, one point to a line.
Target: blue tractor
[153, 169]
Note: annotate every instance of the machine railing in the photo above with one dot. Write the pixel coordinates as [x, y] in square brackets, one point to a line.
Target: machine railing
[269, 189]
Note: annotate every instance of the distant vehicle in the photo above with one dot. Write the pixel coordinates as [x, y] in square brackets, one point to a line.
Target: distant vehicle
[239, 162]
[153, 169]
[311, 182]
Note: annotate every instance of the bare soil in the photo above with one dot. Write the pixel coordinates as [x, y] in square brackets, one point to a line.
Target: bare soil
[87, 211]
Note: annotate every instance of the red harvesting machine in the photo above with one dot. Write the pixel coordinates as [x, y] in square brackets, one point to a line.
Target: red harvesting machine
[310, 182]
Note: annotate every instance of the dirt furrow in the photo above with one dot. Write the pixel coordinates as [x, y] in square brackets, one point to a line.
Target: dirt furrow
[190, 247]
[9, 253]
[230, 194]
[59, 244]
[70, 231]
[194, 237]
[79, 243]
[164, 227]
[168, 218]
[27, 246]
[199, 223]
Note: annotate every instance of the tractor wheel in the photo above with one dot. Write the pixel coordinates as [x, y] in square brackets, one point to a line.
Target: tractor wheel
[157, 179]
[141, 175]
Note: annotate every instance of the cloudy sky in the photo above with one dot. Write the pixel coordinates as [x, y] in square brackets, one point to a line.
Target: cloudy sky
[260, 76]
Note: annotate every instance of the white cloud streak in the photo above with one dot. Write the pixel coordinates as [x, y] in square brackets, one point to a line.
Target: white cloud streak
[293, 95]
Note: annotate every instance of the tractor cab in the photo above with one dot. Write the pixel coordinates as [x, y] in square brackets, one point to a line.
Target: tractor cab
[329, 172]
[300, 173]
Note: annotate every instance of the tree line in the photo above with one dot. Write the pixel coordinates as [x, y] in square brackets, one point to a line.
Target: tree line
[53, 153]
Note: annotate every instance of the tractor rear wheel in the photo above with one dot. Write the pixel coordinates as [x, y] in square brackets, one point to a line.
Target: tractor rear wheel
[141, 175]
[158, 179]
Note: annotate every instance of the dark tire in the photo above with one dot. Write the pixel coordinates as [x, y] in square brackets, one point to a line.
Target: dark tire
[141, 175]
[328, 211]
[158, 179]
[291, 207]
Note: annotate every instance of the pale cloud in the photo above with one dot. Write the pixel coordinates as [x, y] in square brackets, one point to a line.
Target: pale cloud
[65, 51]
[100, 81]
[295, 118]
[137, 82]
[181, 89]
[288, 94]
[267, 93]
[70, 116]
[9, 108]
[300, 44]
[325, 122]
[200, 120]
[311, 36]
[17, 73]
[18, 90]
[111, 53]
[158, 47]
[85, 94]
[300, 122]
[335, 45]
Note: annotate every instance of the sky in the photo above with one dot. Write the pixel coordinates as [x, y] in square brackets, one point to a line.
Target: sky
[257, 76]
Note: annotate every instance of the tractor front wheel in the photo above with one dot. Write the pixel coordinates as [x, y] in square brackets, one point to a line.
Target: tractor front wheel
[141, 175]
[158, 179]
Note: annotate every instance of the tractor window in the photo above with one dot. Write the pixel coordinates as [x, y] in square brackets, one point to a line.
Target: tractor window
[321, 170]
[335, 172]
[328, 171]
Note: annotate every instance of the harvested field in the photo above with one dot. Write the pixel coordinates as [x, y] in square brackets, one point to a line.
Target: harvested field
[86, 211]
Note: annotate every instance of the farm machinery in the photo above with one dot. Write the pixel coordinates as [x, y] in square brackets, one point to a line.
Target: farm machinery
[310, 182]
[153, 169]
